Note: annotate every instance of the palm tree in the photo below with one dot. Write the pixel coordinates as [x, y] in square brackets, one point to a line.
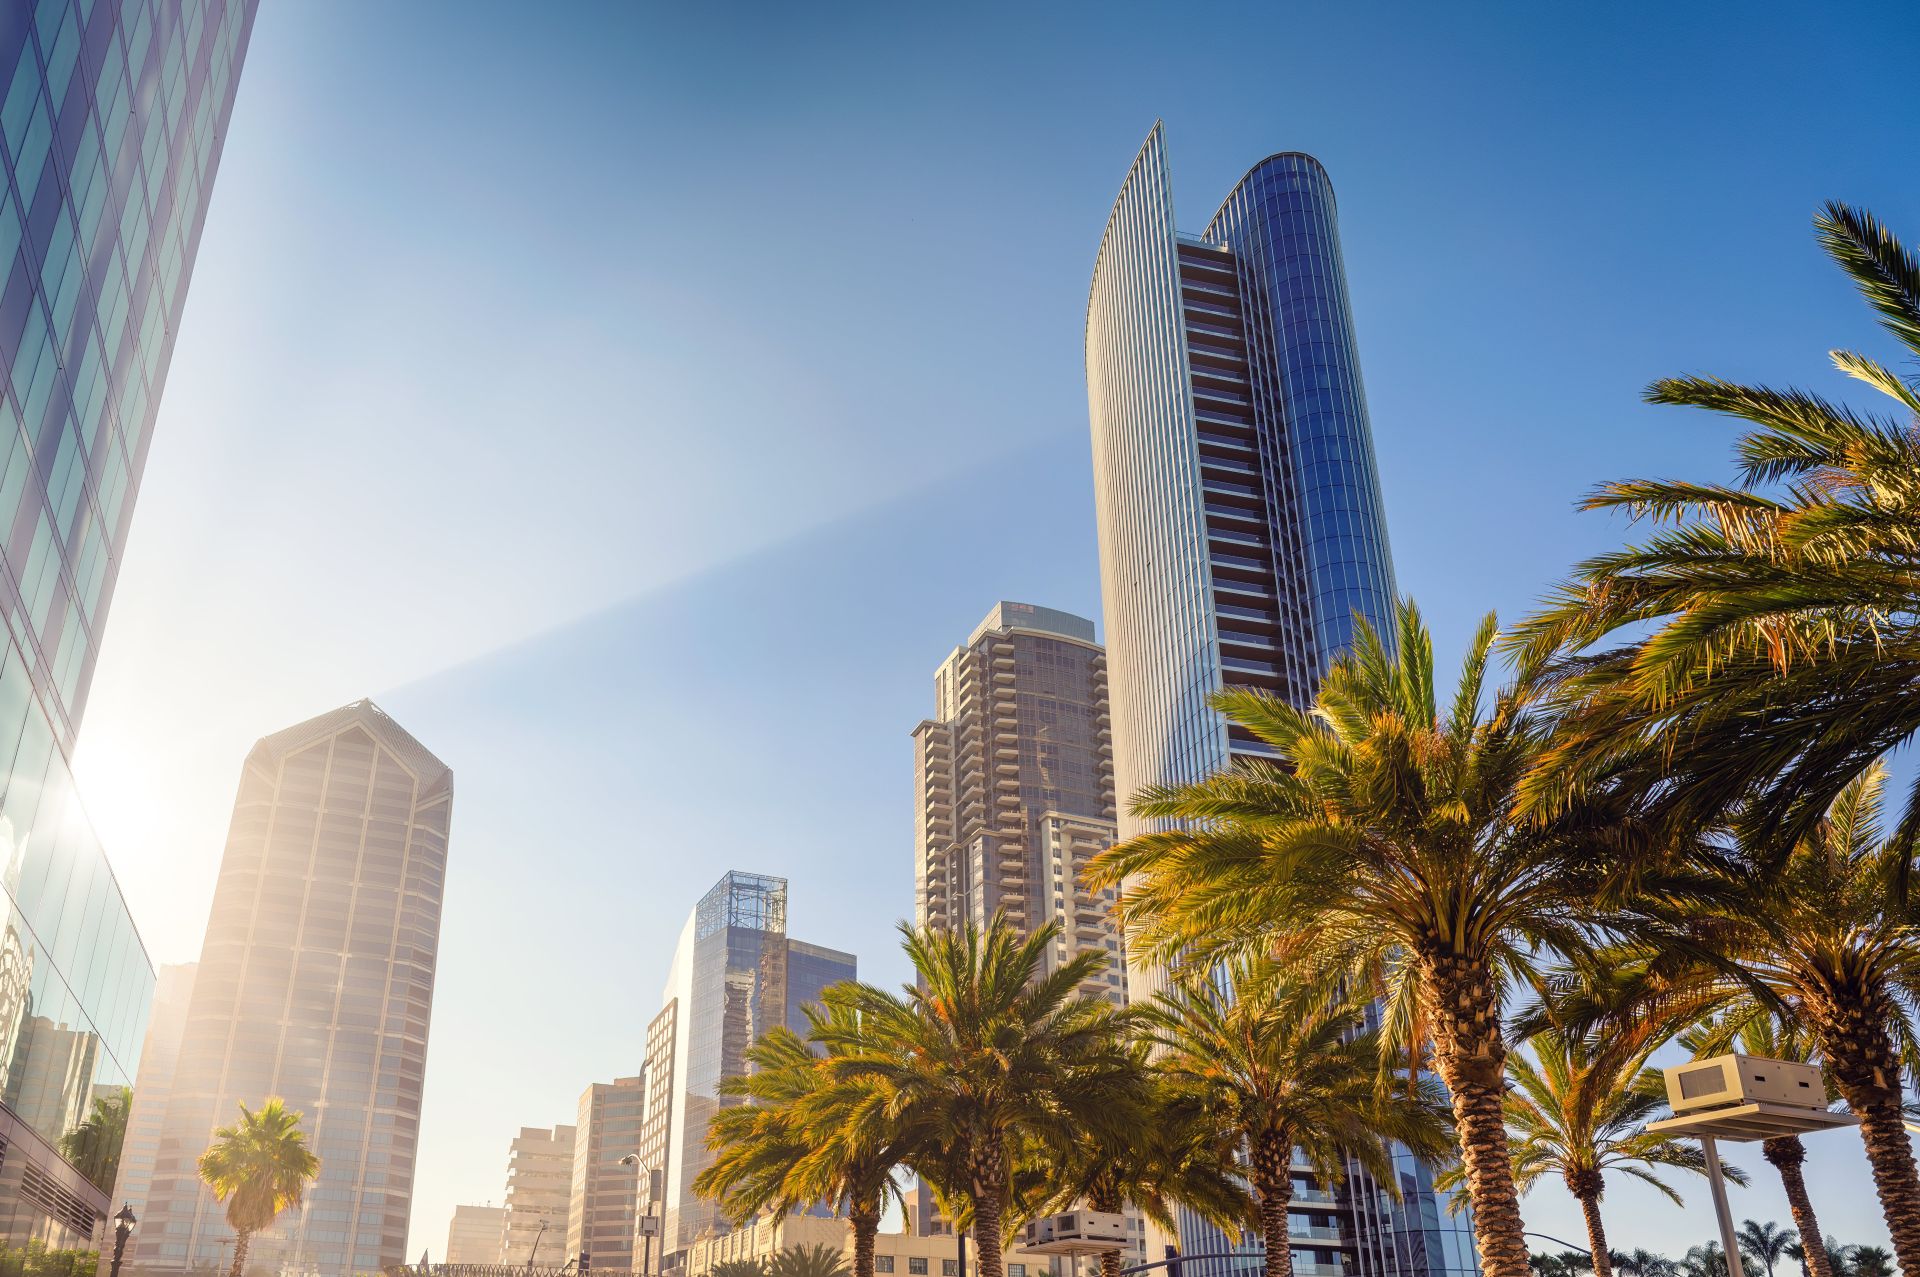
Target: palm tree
[807, 1134]
[1153, 1159]
[1642, 1263]
[989, 1060]
[259, 1166]
[1764, 643]
[94, 1145]
[1579, 1108]
[739, 1268]
[1830, 938]
[1869, 1261]
[1383, 851]
[1757, 1030]
[807, 1261]
[1708, 1261]
[1277, 1074]
[1766, 1243]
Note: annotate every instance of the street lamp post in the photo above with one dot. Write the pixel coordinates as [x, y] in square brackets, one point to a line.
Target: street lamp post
[534, 1253]
[648, 1224]
[122, 1229]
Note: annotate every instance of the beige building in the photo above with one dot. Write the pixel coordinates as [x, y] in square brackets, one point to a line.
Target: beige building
[1015, 784]
[315, 984]
[473, 1235]
[539, 1197]
[153, 1084]
[605, 1193]
[902, 1254]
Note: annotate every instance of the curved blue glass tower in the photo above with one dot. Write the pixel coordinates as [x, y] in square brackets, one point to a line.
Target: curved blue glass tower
[1241, 532]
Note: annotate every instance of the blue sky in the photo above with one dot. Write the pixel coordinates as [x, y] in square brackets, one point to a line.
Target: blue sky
[640, 401]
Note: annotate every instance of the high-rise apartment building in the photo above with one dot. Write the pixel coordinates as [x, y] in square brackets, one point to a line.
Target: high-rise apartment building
[473, 1235]
[315, 984]
[606, 1191]
[111, 121]
[1014, 785]
[1241, 531]
[735, 975]
[539, 1191]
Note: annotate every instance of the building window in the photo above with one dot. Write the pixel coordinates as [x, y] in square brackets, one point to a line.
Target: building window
[883, 1263]
[949, 1268]
[917, 1267]
[1016, 1270]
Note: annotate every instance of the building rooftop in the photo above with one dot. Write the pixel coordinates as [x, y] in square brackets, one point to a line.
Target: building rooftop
[1027, 616]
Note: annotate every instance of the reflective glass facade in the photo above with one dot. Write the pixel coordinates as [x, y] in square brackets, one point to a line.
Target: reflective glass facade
[1241, 530]
[735, 976]
[111, 116]
[315, 984]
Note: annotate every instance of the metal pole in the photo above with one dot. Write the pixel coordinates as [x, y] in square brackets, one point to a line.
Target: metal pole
[961, 1235]
[1717, 1182]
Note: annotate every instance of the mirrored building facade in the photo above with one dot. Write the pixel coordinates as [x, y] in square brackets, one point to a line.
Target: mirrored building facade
[315, 984]
[112, 114]
[735, 975]
[1241, 533]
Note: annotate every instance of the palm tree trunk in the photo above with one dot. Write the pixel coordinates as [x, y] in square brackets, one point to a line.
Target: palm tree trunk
[866, 1223]
[989, 1206]
[1585, 1187]
[1272, 1175]
[244, 1236]
[1103, 1199]
[1859, 1052]
[1786, 1152]
[1109, 1263]
[1471, 1057]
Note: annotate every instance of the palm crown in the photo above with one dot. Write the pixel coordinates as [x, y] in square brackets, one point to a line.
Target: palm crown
[989, 1060]
[1773, 629]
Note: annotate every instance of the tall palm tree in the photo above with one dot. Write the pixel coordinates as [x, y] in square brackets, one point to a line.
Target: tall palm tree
[1152, 1160]
[1275, 1074]
[1383, 851]
[1579, 1108]
[1766, 1244]
[990, 1060]
[259, 1166]
[1759, 647]
[1757, 1030]
[94, 1145]
[1831, 937]
[807, 1134]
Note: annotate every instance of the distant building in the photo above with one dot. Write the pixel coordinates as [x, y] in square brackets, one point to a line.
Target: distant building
[606, 1192]
[473, 1235]
[154, 1085]
[735, 975]
[1014, 785]
[112, 118]
[315, 984]
[539, 1191]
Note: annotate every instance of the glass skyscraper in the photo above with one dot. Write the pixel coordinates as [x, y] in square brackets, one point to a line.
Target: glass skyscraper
[1241, 531]
[111, 119]
[735, 976]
